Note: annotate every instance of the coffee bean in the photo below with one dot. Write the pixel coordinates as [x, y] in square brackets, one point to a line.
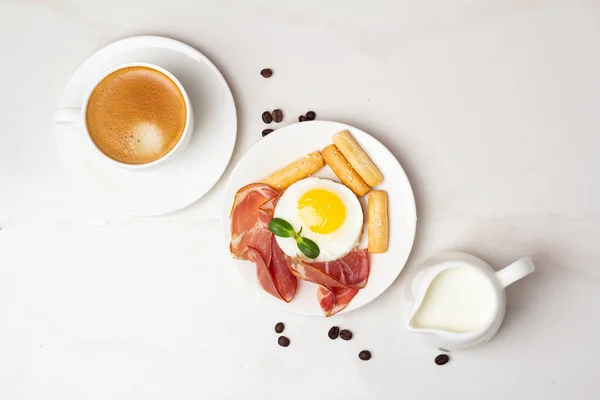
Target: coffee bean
[266, 73]
[301, 118]
[311, 115]
[364, 355]
[334, 332]
[279, 327]
[267, 117]
[277, 115]
[265, 132]
[283, 341]
[442, 359]
[345, 334]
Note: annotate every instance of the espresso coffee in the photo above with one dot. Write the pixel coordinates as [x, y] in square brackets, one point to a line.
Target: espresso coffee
[136, 115]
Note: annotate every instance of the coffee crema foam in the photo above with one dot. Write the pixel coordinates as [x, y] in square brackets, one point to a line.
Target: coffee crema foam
[136, 115]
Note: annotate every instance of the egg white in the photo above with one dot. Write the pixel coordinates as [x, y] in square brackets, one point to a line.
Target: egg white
[332, 245]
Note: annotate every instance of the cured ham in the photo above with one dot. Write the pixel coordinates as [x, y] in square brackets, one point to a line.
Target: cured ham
[263, 274]
[351, 271]
[285, 282]
[246, 210]
[251, 239]
[339, 280]
[334, 300]
[249, 223]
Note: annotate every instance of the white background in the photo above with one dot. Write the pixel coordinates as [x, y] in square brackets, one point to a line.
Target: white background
[492, 107]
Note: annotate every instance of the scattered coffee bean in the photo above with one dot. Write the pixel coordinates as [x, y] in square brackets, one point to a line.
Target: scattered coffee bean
[265, 132]
[311, 115]
[267, 117]
[345, 334]
[301, 118]
[364, 355]
[442, 359]
[334, 332]
[266, 72]
[277, 115]
[279, 327]
[283, 341]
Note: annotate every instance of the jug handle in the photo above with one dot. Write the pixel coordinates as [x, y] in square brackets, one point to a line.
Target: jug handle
[515, 271]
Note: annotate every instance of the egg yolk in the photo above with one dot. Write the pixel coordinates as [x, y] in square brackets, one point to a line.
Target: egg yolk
[322, 211]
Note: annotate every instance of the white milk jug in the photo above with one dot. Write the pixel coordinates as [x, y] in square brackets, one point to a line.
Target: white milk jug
[460, 300]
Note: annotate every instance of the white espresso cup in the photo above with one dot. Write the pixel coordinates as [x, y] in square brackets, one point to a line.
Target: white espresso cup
[69, 115]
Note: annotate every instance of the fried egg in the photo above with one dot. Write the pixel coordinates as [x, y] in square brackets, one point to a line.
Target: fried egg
[328, 213]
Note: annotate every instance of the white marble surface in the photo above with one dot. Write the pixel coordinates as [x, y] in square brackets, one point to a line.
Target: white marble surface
[492, 106]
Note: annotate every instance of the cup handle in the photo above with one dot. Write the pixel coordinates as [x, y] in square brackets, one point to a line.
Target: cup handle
[65, 115]
[515, 271]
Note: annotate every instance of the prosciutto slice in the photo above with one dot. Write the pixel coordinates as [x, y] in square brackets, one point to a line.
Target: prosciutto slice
[263, 274]
[339, 280]
[251, 239]
[250, 223]
[334, 300]
[285, 282]
[253, 207]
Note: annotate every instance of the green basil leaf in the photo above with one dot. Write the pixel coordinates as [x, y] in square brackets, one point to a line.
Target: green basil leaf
[308, 247]
[282, 228]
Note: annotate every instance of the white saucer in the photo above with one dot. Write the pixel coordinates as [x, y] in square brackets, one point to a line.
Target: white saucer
[294, 141]
[176, 183]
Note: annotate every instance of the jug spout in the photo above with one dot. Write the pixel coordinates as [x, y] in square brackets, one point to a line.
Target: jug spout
[424, 324]
[421, 288]
[413, 327]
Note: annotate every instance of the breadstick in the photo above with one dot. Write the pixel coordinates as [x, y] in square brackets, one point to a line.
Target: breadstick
[357, 158]
[343, 170]
[293, 172]
[378, 221]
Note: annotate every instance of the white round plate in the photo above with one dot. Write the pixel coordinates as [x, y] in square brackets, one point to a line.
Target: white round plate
[294, 141]
[176, 183]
